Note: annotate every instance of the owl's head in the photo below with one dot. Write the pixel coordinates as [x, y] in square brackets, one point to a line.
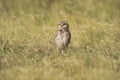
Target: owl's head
[63, 26]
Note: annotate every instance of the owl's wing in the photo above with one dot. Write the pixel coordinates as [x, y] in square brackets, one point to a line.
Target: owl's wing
[69, 39]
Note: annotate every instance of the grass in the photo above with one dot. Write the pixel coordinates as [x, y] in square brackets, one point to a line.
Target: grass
[28, 28]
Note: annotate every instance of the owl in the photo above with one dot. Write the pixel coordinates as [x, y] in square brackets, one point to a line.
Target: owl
[63, 36]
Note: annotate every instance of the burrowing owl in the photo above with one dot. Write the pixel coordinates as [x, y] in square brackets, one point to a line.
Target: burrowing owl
[63, 36]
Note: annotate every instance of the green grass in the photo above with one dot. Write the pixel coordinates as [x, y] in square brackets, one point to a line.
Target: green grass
[27, 32]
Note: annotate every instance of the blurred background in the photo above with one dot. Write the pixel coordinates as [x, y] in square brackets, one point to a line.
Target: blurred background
[28, 29]
[54, 10]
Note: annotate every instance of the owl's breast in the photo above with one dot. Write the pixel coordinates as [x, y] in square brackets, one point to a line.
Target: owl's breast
[59, 40]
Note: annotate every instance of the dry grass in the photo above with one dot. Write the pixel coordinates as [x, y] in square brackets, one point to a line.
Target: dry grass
[27, 31]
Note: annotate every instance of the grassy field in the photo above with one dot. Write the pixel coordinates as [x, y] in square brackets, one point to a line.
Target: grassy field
[27, 32]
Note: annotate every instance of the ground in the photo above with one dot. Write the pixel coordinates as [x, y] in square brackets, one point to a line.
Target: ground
[27, 32]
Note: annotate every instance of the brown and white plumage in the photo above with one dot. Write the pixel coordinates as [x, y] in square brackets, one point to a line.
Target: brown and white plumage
[63, 36]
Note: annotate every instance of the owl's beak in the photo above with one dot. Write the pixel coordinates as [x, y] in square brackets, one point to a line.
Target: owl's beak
[59, 29]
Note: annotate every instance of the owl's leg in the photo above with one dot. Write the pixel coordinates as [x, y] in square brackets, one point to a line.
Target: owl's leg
[58, 50]
[62, 51]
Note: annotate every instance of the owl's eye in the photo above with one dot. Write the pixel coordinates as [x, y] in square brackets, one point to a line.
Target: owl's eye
[62, 24]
